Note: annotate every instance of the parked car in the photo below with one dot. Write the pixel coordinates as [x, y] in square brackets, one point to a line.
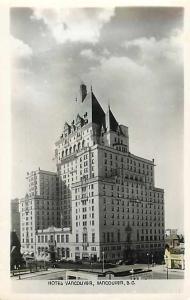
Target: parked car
[120, 262]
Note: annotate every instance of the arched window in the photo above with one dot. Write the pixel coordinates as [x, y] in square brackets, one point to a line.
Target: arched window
[78, 146]
[66, 152]
[62, 153]
[74, 148]
[70, 150]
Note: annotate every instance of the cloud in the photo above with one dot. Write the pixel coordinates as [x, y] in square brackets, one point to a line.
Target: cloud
[121, 72]
[20, 49]
[88, 53]
[106, 52]
[76, 24]
[154, 50]
[91, 55]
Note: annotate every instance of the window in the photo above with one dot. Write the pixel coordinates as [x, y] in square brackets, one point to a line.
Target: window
[93, 237]
[118, 236]
[108, 237]
[67, 238]
[104, 237]
[77, 238]
[84, 238]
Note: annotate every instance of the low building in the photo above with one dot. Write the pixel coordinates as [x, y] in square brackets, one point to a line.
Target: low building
[172, 239]
[54, 244]
[174, 259]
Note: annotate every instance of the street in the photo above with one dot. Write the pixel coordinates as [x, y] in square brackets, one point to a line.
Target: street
[158, 272]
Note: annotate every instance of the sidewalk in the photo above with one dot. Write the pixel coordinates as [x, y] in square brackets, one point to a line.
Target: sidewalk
[162, 268]
[36, 274]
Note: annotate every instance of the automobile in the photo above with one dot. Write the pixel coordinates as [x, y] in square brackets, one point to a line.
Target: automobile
[63, 260]
[70, 261]
[120, 262]
[78, 262]
[128, 262]
[124, 262]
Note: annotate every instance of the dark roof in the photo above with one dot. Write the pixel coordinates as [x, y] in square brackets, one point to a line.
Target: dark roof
[113, 123]
[91, 109]
[91, 106]
[98, 115]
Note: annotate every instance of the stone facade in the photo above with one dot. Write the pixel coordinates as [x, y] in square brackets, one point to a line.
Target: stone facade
[113, 206]
[53, 244]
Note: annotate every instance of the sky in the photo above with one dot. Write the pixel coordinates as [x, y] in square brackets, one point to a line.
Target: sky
[132, 57]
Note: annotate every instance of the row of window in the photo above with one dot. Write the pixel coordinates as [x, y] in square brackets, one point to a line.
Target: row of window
[83, 202]
[52, 238]
[133, 223]
[128, 160]
[84, 223]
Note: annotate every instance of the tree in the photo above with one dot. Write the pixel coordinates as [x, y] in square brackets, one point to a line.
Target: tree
[16, 257]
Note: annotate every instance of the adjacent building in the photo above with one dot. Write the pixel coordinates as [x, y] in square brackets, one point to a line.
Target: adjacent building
[173, 239]
[39, 209]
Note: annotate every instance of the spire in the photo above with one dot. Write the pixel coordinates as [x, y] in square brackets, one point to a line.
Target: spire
[111, 122]
[108, 104]
[108, 117]
[83, 91]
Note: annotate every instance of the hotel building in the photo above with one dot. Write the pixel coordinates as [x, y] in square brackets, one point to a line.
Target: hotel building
[107, 194]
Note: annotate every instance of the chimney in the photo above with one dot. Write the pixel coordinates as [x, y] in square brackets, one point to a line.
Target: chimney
[83, 91]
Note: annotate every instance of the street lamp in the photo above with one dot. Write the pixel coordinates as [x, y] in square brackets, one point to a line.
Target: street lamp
[148, 260]
[44, 259]
[132, 273]
[18, 271]
[166, 259]
[152, 260]
[103, 262]
[91, 263]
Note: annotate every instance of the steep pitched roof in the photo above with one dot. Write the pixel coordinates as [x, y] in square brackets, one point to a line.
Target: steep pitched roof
[91, 108]
[98, 115]
[112, 123]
